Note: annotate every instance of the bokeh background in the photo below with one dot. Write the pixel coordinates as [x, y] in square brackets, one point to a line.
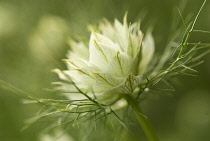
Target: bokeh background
[34, 38]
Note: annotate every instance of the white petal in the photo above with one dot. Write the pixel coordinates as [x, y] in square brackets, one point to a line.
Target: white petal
[120, 65]
[122, 34]
[105, 82]
[148, 49]
[76, 63]
[128, 86]
[101, 50]
[107, 29]
[78, 50]
[82, 78]
[104, 40]
[135, 40]
[61, 75]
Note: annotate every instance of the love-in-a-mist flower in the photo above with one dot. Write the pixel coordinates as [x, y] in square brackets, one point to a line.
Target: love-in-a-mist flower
[113, 69]
[111, 65]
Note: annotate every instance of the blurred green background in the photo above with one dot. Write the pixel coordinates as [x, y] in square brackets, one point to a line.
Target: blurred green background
[33, 40]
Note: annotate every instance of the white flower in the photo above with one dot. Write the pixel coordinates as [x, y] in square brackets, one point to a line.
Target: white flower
[111, 65]
[9, 21]
[48, 37]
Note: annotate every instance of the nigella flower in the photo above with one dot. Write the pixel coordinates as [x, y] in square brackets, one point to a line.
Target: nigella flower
[112, 70]
[112, 65]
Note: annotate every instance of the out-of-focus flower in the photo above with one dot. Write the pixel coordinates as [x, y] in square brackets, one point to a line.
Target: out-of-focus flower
[48, 38]
[111, 65]
[8, 21]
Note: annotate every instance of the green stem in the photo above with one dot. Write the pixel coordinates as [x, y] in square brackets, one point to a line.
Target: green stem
[143, 120]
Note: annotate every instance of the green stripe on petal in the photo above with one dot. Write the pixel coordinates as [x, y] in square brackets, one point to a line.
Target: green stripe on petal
[120, 65]
[101, 50]
[105, 82]
[76, 63]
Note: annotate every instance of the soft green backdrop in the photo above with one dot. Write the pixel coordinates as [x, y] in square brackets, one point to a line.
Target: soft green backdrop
[33, 40]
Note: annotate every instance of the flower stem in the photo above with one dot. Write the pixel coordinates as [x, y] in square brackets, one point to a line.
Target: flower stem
[145, 124]
[143, 120]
